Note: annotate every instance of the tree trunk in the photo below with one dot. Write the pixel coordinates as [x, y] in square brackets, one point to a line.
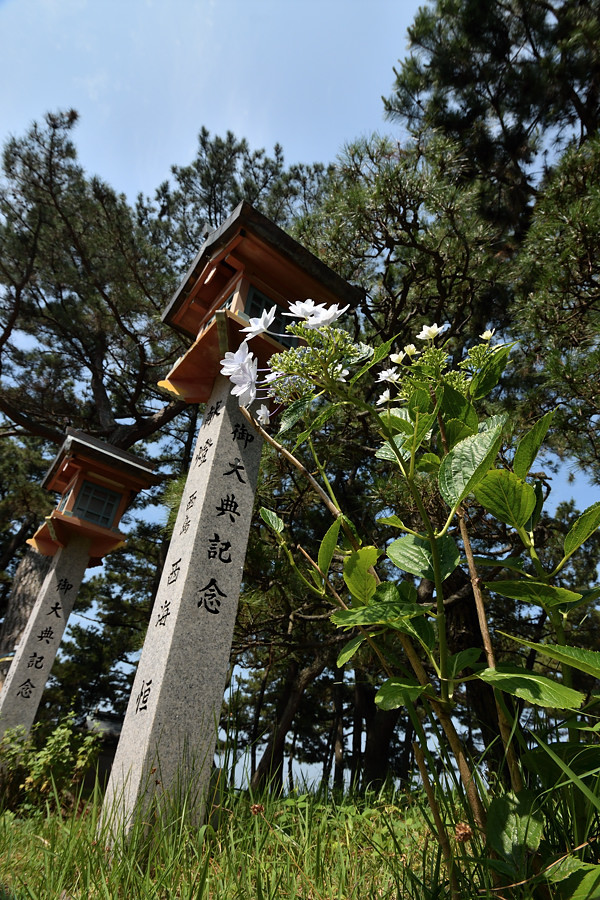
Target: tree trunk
[269, 771]
[28, 579]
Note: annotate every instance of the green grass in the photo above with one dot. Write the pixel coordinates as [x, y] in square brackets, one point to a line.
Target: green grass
[295, 847]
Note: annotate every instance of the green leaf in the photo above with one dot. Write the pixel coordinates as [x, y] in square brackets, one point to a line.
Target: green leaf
[506, 497]
[532, 687]
[398, 420]
[509, 562]
[529, 445]
[272, 519]
[328, 545]
[534, 518]
[583, 884]
[467, 463]
[492, 422]
[394, 521]
[429, 462]
[397, 692]
[514, 828]
[380, 353]
[546, 595]
[317, 423]
[386, 450]
[419, 402]
[582, 529]
[349, 650]
[294, 412]
[464, 659]
[413, 554]
[455, 405]
[390, 613]
[457, 431]
[585, 660]
[360, 581]
[489, 375]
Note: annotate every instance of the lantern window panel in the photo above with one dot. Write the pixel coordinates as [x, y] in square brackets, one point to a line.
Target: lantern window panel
[257, 303]
[97, 504]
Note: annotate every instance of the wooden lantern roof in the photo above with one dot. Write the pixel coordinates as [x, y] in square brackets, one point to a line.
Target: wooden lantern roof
[247, 265]
[85, 464]
[248, 244]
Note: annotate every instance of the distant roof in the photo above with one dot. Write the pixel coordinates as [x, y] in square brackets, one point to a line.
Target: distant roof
[95, 449]
[244, 216]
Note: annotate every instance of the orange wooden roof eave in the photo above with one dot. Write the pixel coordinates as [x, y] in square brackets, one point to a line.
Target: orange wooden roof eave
[321, 281]
[58, 528]
[205, 354]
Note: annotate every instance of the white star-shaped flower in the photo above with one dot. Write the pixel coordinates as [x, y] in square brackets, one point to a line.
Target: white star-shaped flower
[260, 324]
[392, 375]
[303, 309]
[321, 317]
[487, 335]
[263, 415]
[232, 361]
[429, 332]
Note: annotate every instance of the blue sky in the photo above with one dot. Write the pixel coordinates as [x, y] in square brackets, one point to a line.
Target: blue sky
[145, 75]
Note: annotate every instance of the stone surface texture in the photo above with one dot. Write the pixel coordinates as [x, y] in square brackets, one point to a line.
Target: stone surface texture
[31, 666]
[167, 745]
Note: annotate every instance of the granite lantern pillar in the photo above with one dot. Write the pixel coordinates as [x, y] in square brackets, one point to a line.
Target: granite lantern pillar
[97, 483]
[169, 735]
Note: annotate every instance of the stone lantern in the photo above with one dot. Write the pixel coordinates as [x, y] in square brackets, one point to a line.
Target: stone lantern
[168, 740]
[97, 483]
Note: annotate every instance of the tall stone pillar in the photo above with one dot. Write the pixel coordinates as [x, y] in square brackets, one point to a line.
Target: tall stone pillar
[168, 740]
[30, 668]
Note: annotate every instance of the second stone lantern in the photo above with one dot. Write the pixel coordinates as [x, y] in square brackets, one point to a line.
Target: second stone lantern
[97, 483]
[167, 745]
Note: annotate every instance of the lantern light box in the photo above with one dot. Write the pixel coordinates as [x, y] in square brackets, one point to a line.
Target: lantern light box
[97, 483]
[245, 267]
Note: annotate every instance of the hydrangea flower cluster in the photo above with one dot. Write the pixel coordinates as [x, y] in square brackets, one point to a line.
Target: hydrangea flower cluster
[321, 363]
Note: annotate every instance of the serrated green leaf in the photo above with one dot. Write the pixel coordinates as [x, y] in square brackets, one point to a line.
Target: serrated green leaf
[489, 375]
[328, 545]
[387, 453]
[492, 422]
[587, 523]
[455, 405]
[349, 650]
[529, 445]
[413, 554]
[506, 497]
[359, 580]
[389, 613]
[294, 412]
[466, 464]
[456, 431]
[419, 403]
[545, 595]
[531, 687]
[397, 692]
[380, 353]
[585, 660]
[272, 519]
[429, 462]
